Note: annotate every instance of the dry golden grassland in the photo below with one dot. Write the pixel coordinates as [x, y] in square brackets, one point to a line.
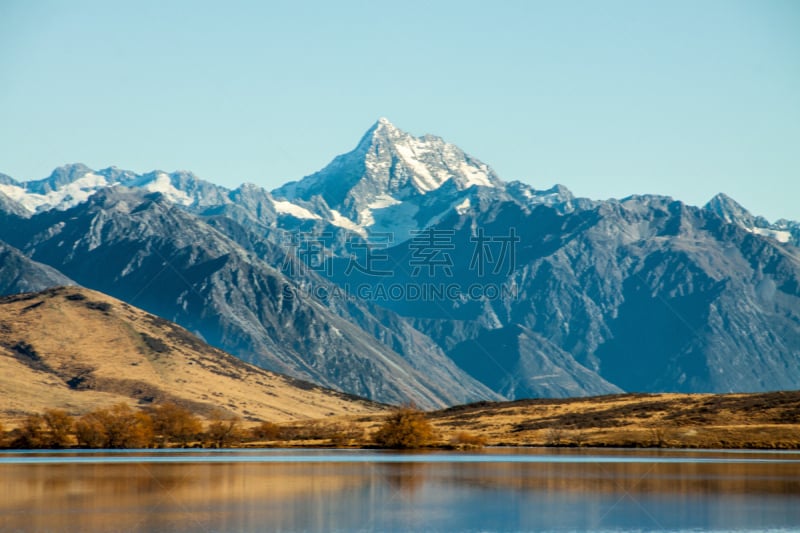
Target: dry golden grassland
[78, 350]
[760, 420]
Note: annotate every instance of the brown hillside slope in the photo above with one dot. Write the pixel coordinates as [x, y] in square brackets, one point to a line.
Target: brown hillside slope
[756, 420]
[78, 349]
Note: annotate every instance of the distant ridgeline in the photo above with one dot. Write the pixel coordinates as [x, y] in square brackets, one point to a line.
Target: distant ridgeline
[408, 271]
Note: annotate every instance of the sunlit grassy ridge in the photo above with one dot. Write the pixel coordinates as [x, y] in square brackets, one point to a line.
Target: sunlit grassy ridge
[80, 350]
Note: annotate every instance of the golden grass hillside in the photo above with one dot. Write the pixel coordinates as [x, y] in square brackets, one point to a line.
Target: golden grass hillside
[77, 349]
[757, 420]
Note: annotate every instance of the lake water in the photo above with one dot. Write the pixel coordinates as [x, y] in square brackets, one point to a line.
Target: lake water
[357, 490]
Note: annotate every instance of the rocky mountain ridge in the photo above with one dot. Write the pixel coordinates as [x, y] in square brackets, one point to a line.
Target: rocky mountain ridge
[526, 292]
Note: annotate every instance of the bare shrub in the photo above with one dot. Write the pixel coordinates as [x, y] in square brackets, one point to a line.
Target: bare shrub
[554, 436]
[155, 344]
[105, 307]
[266, 431]
[224, 430]
[345, 434]
[465, 439]
[307, 430]
[658, 436]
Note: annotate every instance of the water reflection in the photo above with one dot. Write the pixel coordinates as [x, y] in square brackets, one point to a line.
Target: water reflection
[571, 491]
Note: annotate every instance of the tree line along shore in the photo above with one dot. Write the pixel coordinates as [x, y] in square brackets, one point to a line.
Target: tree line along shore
[756, 420]
[172, 426]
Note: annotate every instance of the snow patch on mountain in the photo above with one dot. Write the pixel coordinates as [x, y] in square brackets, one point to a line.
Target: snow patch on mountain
[18, 194]
[463, 207]
[344, 222]
[398, 220]
[162, 184]
[383, 200]
[781, 236]
[476, 176]
[423, 179]
[366, 217]
[288, 208]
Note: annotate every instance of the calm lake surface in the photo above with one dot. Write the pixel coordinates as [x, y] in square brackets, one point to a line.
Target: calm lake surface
[356, 490]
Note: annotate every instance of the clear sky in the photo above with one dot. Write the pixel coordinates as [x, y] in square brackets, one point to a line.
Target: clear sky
[608, 98]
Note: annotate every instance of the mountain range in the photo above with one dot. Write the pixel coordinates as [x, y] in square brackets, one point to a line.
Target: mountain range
[407, 270]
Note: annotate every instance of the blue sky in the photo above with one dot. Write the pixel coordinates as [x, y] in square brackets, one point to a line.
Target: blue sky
[607, 98]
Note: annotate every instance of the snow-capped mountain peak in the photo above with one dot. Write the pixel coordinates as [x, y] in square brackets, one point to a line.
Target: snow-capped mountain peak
[386, 126]
[61, 177]
[387, 177]
[733, 213]
[383, 128]
[730, 210]
[424, 162]
[396, 162]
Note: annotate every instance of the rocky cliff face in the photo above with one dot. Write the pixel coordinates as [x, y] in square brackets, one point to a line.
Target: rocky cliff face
[18, 273]
[647, 294]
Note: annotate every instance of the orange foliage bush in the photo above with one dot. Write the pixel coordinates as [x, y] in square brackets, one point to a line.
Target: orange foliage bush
[406, 428]
[173, 423]
[117, 427]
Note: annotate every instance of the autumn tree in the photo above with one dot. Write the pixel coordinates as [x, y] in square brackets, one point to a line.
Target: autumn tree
[117, 427]
[405, 428]
[31, 433]
[144, 436]
[59, 428]
[266, 431]
[50, 430]
[126, 428]
[171, 422]
[223, 430]
[90, 431]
